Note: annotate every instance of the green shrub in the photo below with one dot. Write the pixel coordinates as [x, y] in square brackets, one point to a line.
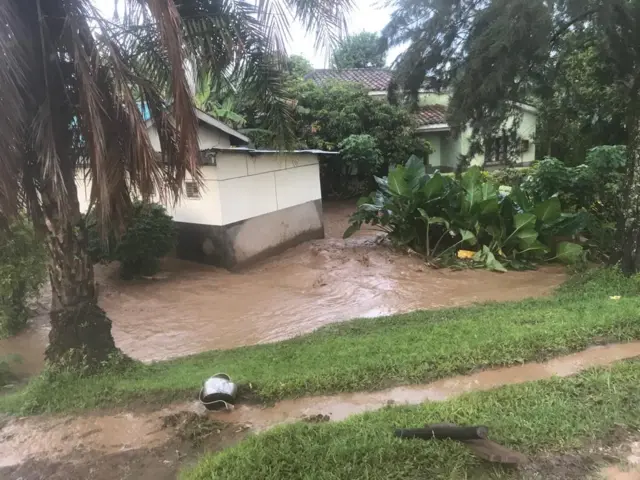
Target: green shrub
[436, 215]
[22, 273]
[509, 177]
[593, 188]
[149, 235]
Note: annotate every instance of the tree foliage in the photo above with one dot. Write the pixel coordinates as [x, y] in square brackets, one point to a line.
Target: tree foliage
[362, 50]
[22, 273]
[328, 114]
[298, 66]
[578, 106]
[493, 54]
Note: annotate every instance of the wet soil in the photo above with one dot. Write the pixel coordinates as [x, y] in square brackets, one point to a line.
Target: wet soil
[155, 444]
[190, 308]
[170, 442]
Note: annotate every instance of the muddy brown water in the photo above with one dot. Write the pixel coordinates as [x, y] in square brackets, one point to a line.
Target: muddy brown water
[55, 439]
[190, 308]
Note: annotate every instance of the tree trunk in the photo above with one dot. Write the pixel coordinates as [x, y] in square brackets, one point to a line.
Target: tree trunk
[630, 222]
[80, 330]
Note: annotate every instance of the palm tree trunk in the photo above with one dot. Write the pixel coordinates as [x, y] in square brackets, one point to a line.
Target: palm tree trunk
[80, 330]
[630, 233]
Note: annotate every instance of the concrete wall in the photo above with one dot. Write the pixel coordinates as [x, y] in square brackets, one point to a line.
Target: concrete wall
[245, 242]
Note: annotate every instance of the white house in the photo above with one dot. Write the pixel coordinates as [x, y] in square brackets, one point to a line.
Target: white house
[252, 203]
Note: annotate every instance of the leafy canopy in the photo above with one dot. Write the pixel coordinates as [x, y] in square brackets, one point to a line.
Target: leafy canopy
[362, 50]
[493, 54]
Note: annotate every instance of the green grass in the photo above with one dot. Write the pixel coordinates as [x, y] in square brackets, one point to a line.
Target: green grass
[548, 416]
[369, 354]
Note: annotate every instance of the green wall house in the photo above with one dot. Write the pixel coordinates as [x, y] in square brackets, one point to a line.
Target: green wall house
[432, 122]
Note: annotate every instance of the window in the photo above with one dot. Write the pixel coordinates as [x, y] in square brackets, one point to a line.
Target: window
[193, 191]
[502, 149]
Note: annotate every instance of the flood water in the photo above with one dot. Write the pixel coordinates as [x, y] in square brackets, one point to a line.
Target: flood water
[191, 308]
[56, 437]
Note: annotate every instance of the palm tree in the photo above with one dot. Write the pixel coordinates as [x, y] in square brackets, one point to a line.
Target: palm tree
[71, 85]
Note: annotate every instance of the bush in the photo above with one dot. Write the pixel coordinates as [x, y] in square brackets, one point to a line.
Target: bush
[509, 177]
[593, 188]
[22, 273]
[149, 235]
[437, 215]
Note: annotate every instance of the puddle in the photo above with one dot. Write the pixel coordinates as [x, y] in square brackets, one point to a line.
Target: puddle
[194, 308]
[55, 438]
[339, 407]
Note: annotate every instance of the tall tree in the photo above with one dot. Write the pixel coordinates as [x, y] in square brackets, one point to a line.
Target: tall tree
[360, 51]
[73, 85]
[298, 66]
[493, 54]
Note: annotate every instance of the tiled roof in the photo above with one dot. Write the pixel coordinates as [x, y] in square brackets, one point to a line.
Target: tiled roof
[431, 115]
[370, 78]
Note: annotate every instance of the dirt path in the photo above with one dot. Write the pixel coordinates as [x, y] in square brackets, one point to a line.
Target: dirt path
[192, 308]
[145, 444]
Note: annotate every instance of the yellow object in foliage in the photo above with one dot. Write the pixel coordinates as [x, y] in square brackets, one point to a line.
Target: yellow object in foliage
[462, 254]
[615, 297]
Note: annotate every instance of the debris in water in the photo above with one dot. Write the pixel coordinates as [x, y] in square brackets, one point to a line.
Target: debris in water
[192, 427]
[319, 418]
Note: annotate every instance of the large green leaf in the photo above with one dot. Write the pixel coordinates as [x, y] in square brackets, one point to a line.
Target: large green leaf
[397, 183]
[526, 238]
[488, 191]
[523, 220]
[549, 210]
[493, 264]
[363, 200]
[468, 237]
[438, 221]
[472, 178]
[568, 252]
[521, 199]
[434, 187]
[487, 206]
[414, 167]
[353, 228]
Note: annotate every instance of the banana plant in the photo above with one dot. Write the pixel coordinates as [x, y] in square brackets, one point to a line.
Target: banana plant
[436, 215]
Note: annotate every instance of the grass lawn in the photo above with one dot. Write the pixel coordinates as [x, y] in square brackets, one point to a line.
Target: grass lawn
[539, 417]
[369, 354]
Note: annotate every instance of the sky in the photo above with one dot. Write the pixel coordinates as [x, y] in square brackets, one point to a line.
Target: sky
[368, 15]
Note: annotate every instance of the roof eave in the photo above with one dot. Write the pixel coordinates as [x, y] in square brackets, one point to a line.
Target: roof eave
[436, 127]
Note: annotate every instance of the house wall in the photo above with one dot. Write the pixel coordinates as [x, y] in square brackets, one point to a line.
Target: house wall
[433, 98]
[249, 207]
[526, 131]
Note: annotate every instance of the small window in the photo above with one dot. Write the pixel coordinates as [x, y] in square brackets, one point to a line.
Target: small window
[524, 146]
[193, 191]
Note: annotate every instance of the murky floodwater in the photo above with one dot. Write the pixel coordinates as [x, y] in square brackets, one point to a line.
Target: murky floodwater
[193, 308]
[57, 437]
